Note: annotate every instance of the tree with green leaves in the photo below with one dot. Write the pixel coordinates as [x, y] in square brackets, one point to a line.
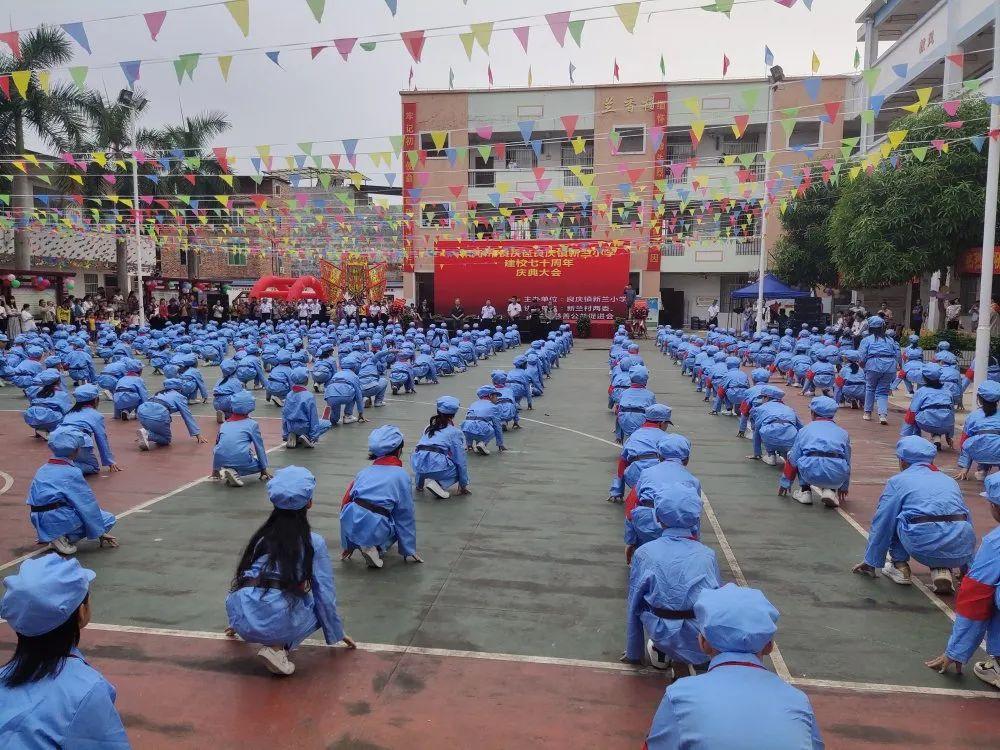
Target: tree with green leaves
[53, 113]
[898, 222]
[802, 255]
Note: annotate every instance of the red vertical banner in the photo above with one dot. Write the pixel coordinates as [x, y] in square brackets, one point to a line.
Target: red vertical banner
[659, 175]
[411, 209]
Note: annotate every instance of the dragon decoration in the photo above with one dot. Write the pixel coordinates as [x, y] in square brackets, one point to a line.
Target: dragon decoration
[355, 276]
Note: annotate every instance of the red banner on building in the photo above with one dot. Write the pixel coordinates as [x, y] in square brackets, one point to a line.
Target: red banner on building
[579, 277]
[660, 121]
[409, 144]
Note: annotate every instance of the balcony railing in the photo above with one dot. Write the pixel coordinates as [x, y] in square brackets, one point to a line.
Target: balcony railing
[673, 250]
[531, 233]
[749, 246]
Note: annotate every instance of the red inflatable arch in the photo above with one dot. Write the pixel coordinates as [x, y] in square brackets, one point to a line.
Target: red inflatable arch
[289, 289]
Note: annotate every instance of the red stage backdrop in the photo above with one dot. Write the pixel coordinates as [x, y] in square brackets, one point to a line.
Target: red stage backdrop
[578, 276]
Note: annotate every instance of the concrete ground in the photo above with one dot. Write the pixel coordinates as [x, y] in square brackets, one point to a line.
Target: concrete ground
[509, 634]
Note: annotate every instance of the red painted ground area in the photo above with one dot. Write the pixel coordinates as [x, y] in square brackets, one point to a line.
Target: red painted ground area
[192, 692]
[144, 475]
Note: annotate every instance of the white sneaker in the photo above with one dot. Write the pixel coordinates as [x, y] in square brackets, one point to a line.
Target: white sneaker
[657, 660]
[306, 442]
[480, 448]
[143, 439]
[882, 419]
[803, 496]
[900, 575]
[780, 459]
[944, 582]
[436, 489]
[378, 404]
[108, 396]
[829, 497]
[61, 545]
[230, 478]
[220, 416]
[867, 417]
[769, 459]
[350, 420]
[980, 474]
[293, 441]
[988, 671]
[372, 557]
[276, 660]
[277, 401]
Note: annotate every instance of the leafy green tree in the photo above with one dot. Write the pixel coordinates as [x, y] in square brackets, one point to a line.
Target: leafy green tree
[899, 222]
[802, 255]
[55, 116]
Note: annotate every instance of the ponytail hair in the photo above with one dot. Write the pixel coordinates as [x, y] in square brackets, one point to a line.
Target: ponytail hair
[989, 407]
[437, 423]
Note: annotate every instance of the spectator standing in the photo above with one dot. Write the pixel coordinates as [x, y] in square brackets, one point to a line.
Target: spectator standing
[917, 316]
[713, 313]
[513, 309]
[630, 296]
[952, 312]
[488, 312]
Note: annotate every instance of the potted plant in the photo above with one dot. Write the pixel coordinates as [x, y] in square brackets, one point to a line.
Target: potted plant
[583, 326]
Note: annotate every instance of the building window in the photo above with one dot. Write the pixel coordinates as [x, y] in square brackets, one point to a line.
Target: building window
[626, 213]
[520, 157]
[632, 139]
[111, 282]
[433, 152]
[182, 255]
[677, 153]
[90, 283]
[729, 283]
[435, 215]
[482, 173]
[238, 256]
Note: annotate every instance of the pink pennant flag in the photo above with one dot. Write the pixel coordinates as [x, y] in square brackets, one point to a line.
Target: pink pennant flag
[616, 71]
[569, 124]
[938, 143]
[559, 23]
[725, 64]
[13, 40]
[489, 73]
[154, 21]
[414, 42]
[543, 185]
[109, 178]
[335, 160]
[786, 3]
[146, 199]
[521, 32]
[345, 46]
[69, 159]
[485, 132]
[222, 157]
[951, 107]
[656, 136]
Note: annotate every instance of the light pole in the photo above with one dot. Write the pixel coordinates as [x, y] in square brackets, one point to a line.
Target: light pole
[125, 99]
[775, 76]
[982, 360]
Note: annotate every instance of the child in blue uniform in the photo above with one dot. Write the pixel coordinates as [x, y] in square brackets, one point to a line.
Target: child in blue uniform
[820, 456]
[283, 589]
[438, 461]
[85, 417]
[130, 390]
[50, 697]
[931, 408]
[506, 401]
[300, 420]
[482, 422]
[980, 440]
[49, 403]
[155, 416]
[223, 391]
[239, 447]
[63, 508]
[377, 510]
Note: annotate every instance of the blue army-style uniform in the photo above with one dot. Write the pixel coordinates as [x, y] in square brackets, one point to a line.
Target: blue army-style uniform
[482, 421]
[300, 420]
[640, 451]
[239, 447]
[821, 456]
[880, 356]
[439, 460]
[632, 404]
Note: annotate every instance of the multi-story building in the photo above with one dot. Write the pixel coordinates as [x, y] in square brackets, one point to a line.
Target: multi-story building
[675, 170]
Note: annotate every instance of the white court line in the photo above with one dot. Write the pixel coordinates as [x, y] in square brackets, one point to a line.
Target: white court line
[8, 482]
[128, 511]
[854, 687]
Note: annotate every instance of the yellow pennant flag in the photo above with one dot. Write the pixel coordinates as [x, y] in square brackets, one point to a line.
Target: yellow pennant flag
[924, 96]
[628, 13]
[896, 137]
[698, 129]
[240, 11]
[915, 107]
[483, 32]
[44, 78]
[579, 144]
[439, 137]
[21, 80]
[815, 62]
[694, 105]
[100, 157]
[78, 179]
[224, 62]
[223, 200]
[32, 158]
[227, 178]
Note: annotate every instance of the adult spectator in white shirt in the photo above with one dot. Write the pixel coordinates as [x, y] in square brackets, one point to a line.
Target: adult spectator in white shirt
[952, 313]
[713, 313]
[350, 309]
[513, 309]
[488, 312]
[27, 319]
[265, 308]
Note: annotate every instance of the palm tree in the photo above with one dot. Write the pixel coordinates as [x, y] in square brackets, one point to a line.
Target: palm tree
[112, 130]
[54, 116]
[193, 136]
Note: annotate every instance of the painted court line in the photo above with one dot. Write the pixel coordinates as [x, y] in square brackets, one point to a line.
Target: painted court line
[856, 687]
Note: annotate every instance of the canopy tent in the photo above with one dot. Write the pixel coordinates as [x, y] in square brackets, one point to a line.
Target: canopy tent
[773, 289]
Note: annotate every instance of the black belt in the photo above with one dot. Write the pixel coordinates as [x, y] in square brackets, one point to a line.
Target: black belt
[274, 583]
[826, 454]
[50, 506]
[934, 519]
[481, 419]
[782, 421]
[505, 401]
[881, 356]
[644, 456]
[986, 432]
[632, 409]
[433, 449]
[372, 507]
[162, 403]
[673, 614]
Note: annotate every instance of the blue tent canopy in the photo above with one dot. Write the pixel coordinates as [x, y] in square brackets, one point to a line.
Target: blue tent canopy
[773, 289]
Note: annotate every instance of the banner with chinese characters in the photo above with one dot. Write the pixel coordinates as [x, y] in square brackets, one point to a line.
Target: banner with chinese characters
[578, 277]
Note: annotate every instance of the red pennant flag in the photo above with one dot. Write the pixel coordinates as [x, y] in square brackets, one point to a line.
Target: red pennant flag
[221, 156]
[634, 174]
[456, 190]
[5, 86]
[335, 160]
[616, 70]
[13, 40]
[832, 110]
[154, 22]
[489, 73]
[500, 149]
[569, 123]
[725, 64]
[539, 172]
[958, 59]
[316, 50]
[741, 124]
[414, 43]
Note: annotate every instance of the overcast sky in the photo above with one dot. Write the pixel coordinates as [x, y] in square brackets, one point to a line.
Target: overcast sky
[327, 99]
